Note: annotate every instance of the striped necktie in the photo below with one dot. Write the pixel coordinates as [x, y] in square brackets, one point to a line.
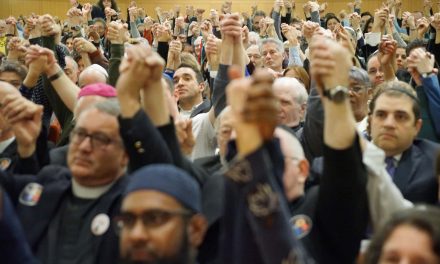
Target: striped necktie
[390, 166]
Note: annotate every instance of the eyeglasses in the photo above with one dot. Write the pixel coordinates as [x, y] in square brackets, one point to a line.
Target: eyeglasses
[150, 219]
[357, 88]
[98, 140]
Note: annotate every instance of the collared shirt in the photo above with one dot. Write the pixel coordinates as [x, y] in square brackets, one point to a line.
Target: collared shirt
[5, 143]
[187, 113]
[396, 159]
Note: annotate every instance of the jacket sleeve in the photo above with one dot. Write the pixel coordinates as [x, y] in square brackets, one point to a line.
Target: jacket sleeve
[312, 133]
[219, 93]
[13, 245]
[97, 57]
[342, 196]
[162, 49]
[117, 51]
[255, 226]
[143, 141]
[276, 16]
[168, 133]
[431, 88]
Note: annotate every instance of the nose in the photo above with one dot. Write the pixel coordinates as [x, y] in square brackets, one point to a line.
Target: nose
[379, 73]
[390, 121]
[138, 232]
[86, 144]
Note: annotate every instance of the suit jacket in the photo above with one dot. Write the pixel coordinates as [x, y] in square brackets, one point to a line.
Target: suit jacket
[58, 156]
[56, 185]
[414, 176]
[415, 173]
[203, 108]
[13, 245]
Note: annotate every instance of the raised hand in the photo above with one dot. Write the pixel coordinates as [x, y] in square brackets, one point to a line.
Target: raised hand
[387, 50]
[380, 19]
[163, 33]
[33, 27]
[435, 23]
[25, 118]
[421, 61]
[213, 49]
[422, 27]
[34, 60]
[11, 28]
[16, 49]
[254, 108]
[206, 28]
[185, 135]
[261, 105]
[75, 16]
[278, 4]
[355, 20]
[330, 63]
[174, 51]
[309, 28]
[291, 34]
[117, 32]
[343, 37]
[231, 28]
[48, 26]
[81, 45]
[148, 22]
[87, 11]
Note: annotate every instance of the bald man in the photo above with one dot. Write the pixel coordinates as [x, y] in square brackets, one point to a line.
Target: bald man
[292, 96]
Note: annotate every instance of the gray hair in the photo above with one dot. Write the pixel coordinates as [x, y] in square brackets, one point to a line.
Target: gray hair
[300, 91]
[277, 42]
[109, 106]
[351, 32]
[360, 75]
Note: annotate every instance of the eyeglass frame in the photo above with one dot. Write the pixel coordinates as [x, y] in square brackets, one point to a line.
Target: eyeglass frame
[360, 88]
[120, 226]
[93, 138]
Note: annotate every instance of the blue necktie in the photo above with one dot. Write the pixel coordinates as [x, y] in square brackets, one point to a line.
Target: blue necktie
[390, 166]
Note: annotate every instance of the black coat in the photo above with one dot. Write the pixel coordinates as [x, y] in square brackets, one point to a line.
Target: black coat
[56, 185]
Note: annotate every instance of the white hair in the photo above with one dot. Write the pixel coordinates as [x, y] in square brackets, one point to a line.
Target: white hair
[296, 86]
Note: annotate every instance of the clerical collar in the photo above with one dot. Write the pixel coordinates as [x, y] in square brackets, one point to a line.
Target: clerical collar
[5, 143]
[89, 192]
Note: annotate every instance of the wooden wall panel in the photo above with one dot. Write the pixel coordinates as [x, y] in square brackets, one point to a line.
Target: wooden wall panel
[60, 7]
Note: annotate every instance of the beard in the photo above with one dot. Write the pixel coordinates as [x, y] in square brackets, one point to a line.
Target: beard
[182, 255]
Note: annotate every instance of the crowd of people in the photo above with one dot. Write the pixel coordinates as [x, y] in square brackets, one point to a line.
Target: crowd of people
[194, 136]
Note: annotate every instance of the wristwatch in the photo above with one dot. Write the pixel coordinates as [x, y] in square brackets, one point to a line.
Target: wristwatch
[337, 94]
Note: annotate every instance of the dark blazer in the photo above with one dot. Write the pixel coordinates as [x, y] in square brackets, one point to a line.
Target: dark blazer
[342, 195]
[56, 182]
[58, 156]
[13, 245]
[415, 174]
[203, 108]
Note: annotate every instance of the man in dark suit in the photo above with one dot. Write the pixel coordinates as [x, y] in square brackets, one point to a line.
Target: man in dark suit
[394, 124]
